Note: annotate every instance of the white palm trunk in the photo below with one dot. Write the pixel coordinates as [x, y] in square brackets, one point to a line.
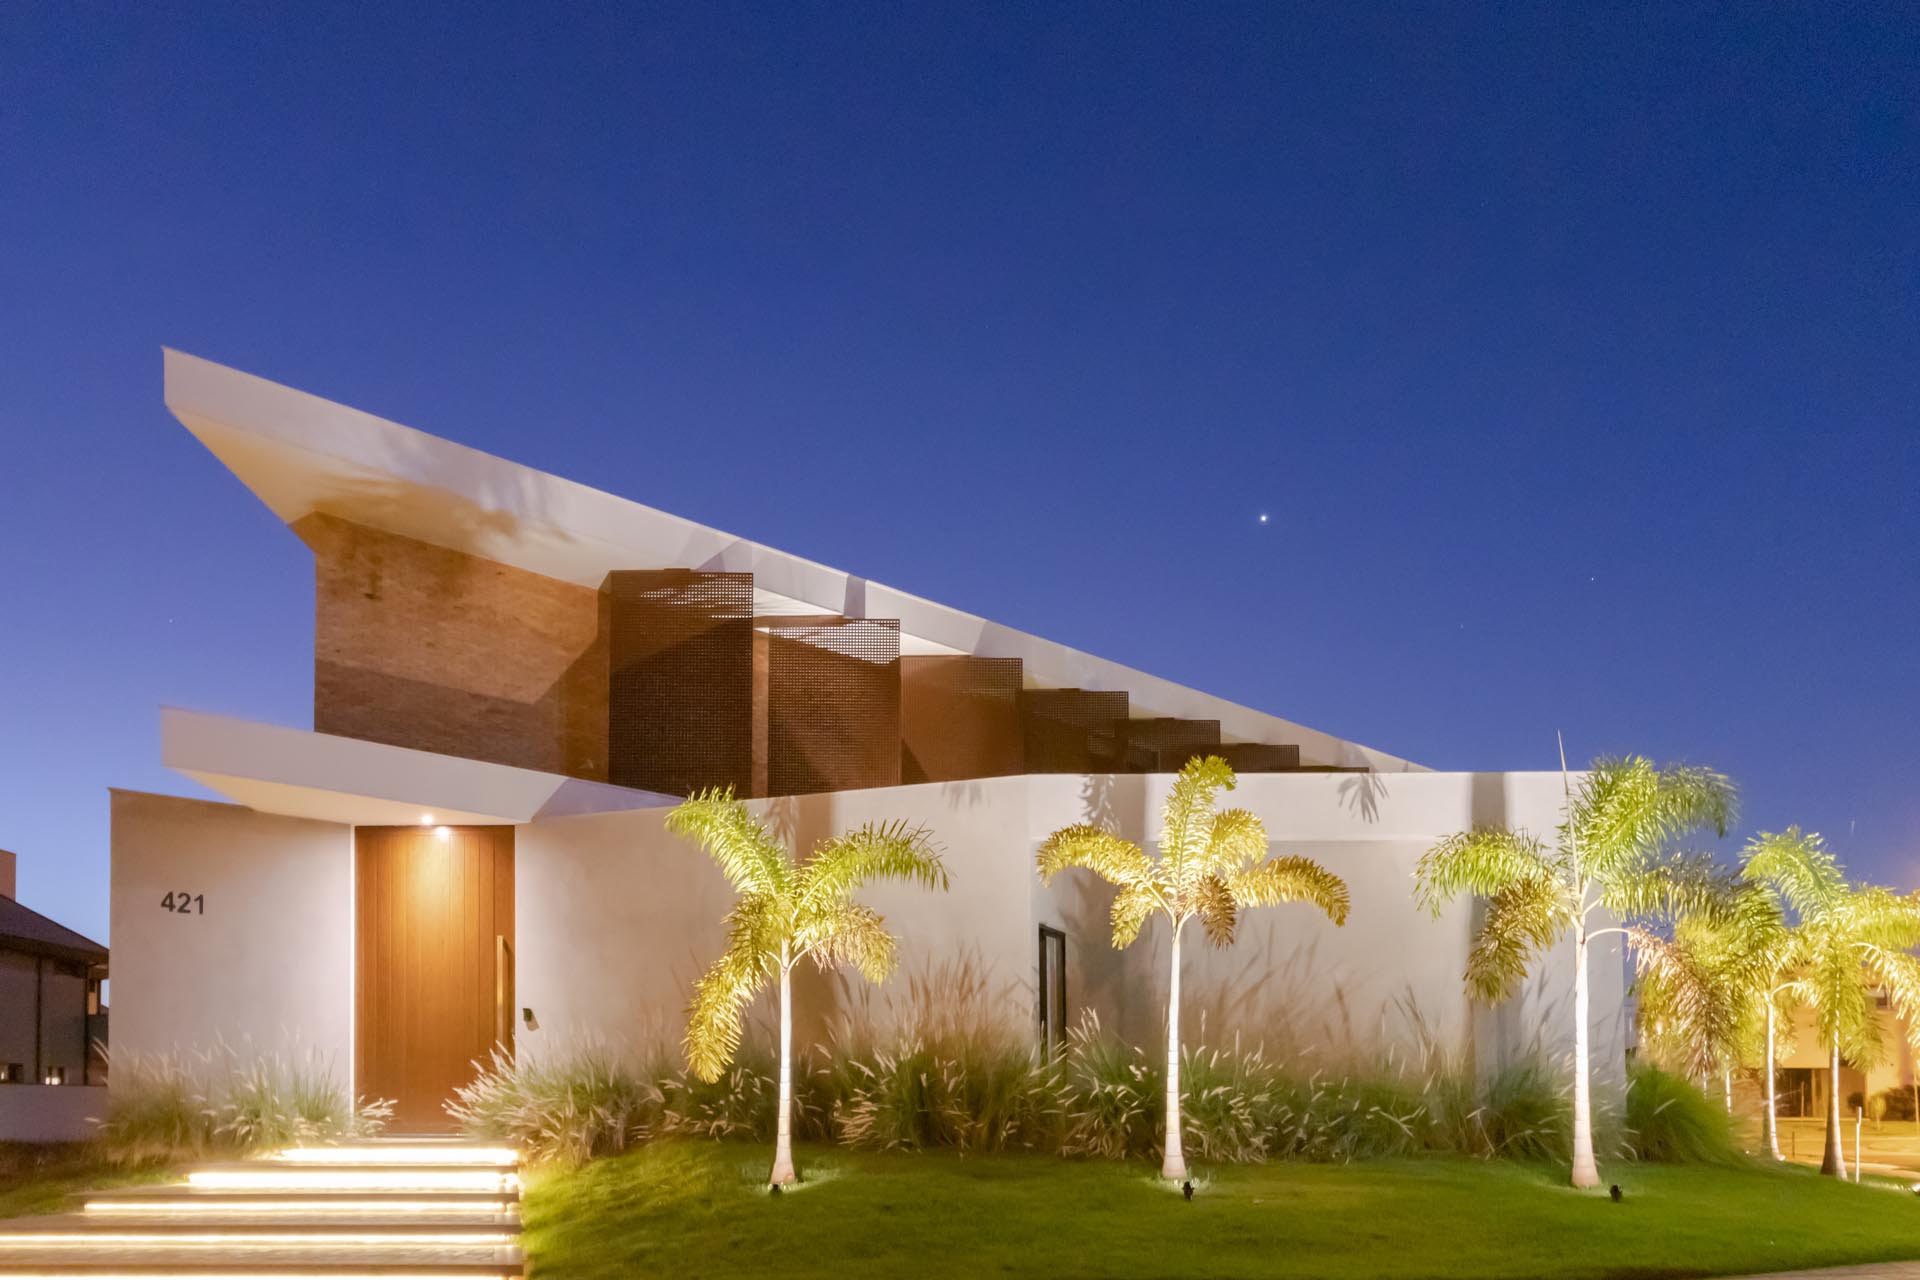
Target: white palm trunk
[1174, 1166]
[1726, 1083]
[1585, 1172]
[1832, 1162]
[1770, 1121]
[783, 1133]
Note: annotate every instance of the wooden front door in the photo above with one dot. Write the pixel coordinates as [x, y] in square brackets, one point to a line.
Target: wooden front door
[434, 984]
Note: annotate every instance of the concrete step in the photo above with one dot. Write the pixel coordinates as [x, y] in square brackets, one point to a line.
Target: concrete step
[400, 1207]
[185, 1196]
[291, 1256]
[289, 1265]
[401, 1151]
[495, 1227]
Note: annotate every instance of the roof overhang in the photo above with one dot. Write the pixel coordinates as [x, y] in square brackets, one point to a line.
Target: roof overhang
[273, 769]
[301, 454]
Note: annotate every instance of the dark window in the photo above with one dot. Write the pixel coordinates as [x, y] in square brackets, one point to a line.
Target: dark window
[56, 1075]
[1053, 989]
[12, 1072]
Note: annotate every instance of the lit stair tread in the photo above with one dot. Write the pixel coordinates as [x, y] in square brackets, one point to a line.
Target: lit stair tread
[434, 1168]
[296, 1220]
[314, 1195]
[314, 1264]
[236, 1257]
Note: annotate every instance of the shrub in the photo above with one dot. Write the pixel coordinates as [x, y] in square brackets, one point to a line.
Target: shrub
[1670, 1120]
[955, 1066]
[224, 1100]
[1896, 1103]
[1524, 1114]
[567, 1110]
[740, 1104]
[1110, 1094]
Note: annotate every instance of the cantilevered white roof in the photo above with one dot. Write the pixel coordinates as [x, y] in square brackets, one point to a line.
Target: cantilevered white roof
[301, 454]
[273, 769]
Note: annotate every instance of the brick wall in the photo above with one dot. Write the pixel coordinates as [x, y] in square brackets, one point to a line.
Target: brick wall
[423, 647]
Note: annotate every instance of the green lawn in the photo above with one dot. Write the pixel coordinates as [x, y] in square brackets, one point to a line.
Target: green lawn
[39, 1178]
[691, 1210]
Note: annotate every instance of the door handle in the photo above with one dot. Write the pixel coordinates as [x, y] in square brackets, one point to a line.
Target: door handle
[503, 994]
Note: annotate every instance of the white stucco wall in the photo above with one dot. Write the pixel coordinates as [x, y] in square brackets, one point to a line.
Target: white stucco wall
[50, 1113]
[615, 919]
[270, 962]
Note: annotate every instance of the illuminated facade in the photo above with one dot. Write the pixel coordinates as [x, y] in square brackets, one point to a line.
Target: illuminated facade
[514, 677]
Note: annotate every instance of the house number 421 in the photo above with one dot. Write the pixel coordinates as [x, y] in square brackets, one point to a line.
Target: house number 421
[182, 903]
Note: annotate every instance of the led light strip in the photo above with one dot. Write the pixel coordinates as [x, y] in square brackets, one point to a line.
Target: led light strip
[387, 1274]
[398, 1208]
[274, 1239]
[353, 1179]
[398, 1155]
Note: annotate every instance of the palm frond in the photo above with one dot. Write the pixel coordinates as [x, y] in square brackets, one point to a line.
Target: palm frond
[1883, 919]
[876, 851]
[1485, 861]
[1119, 862]
[1187, 818]
[719, 998]
[1237, 840]
[1797, 867]
[1131, 907]
[1523, 919]
[736, 841]
[1670, 885]
[852, 935]
[1628, 809]
[1214, 905]
[1291, 879]
[1688, 1000]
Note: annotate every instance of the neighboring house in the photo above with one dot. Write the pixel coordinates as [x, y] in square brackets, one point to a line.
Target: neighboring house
[516, 675]
[1805, 1076]
[53, 1028]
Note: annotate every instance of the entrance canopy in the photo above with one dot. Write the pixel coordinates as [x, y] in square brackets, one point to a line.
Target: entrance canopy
[273, 769]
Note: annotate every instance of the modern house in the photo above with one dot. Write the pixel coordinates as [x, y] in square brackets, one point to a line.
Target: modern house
[53, 1026]
[515, 675]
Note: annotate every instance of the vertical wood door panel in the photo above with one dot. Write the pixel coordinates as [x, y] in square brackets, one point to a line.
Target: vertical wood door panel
[432, 913]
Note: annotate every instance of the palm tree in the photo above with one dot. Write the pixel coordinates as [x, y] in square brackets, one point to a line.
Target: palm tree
[1611, 854]
[1210, 867]
[1851, 943]
[787, 912]
[1706, 990]
[1769, 861]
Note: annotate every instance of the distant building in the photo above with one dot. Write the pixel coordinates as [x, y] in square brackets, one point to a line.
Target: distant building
[53, 1026]
[1805, 1074]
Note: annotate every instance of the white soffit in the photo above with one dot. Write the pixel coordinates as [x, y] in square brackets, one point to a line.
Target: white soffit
[301, 454]
[273, 769]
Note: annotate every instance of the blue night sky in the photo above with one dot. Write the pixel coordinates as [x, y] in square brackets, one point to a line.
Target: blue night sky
[1574, 355]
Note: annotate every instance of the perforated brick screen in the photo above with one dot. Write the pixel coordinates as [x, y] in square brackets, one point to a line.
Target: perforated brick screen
[680, 687]
[833, 706]
[959, 718]
[1163, 745]
[1259, 757]
[1071, 730]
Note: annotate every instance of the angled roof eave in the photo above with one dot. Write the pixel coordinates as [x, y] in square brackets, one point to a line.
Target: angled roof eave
[301, 454]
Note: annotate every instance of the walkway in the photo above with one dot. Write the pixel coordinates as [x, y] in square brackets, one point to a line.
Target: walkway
[397, 1207]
